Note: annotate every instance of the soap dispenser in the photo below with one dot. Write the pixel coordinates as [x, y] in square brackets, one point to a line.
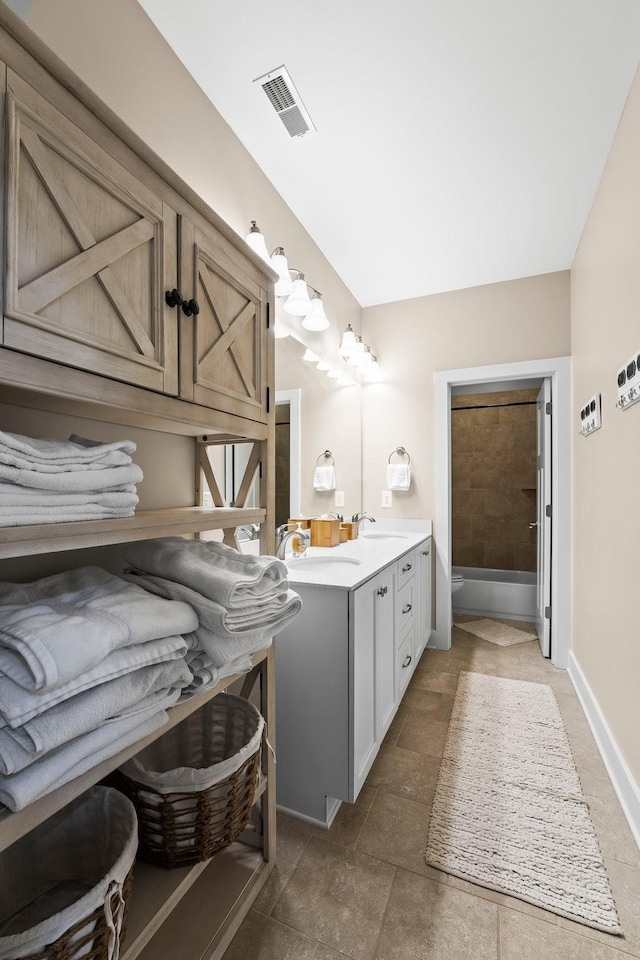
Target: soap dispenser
[299, 542]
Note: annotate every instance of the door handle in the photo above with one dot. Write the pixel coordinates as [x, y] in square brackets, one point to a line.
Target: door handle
[407, 608]
[407, 661]
[190, 308]
[533, 525]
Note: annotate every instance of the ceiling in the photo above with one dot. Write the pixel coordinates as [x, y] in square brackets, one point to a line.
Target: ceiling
[458, 142]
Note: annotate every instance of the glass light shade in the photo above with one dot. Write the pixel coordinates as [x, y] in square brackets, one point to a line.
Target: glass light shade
[348, 342]
[345, 382]
[333, 374]
[256, 241]
[372, 371]
[364, 360]
[298, 303]
[358, 352]
[284, 285]
[310, 356]
[316, 318]
[323, 365]
[279, 331]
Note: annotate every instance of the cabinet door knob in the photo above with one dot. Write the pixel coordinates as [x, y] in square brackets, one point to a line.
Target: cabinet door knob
[381, 591]
[407, 608]
[425, 553]
[173, 298]
[190, 307]
[406, 568]
[407, 661]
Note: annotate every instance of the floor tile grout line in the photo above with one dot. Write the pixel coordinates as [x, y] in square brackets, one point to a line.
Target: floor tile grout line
[277, 900]
[384, 914]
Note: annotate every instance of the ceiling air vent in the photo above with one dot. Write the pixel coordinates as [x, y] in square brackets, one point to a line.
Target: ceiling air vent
[286, 101]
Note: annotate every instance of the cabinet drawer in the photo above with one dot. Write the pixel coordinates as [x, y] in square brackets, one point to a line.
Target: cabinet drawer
[404, 663]
[406, 567]
[405, 608]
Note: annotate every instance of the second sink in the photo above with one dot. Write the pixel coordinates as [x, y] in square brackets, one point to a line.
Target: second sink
[310, 562]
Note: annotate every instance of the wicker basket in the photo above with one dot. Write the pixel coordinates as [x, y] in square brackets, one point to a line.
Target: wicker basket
[65, 886]
[193, 789]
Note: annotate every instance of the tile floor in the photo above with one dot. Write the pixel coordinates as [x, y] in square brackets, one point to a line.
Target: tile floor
[362, 889]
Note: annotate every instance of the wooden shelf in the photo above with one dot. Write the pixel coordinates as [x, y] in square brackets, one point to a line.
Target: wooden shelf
[16, 825]
[145, 525]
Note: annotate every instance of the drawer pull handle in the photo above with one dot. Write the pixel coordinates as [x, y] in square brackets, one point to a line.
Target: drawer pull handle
[382, 591]
[191, 308]
[425, 553]
[407, 608]
[173, 298]
[407, 661]
[406, 568]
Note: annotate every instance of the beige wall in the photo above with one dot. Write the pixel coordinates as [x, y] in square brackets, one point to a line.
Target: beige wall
[605, 333]
[524, 319]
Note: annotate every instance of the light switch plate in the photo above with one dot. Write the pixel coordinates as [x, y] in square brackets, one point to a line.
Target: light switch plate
[207, 500]
[387, 498]
[628, 383]
[590, 416]
[339, 501]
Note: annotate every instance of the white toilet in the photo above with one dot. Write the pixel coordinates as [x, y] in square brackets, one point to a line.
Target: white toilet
[457, 582]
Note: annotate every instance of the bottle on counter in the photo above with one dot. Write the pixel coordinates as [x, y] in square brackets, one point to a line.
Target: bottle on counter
[299, 542]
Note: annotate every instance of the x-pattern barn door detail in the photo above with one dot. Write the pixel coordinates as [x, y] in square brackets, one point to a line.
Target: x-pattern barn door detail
[211, 459]
[228, 332]
[90, 250]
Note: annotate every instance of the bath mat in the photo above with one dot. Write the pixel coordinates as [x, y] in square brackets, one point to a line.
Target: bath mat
[496, 632]
[508, 812]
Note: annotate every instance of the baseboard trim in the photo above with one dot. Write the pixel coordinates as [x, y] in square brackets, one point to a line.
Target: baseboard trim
[332, 809]
[625, 786]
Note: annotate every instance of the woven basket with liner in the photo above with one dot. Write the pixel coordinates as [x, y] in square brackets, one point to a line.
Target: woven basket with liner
[193, 789]
[66, 884]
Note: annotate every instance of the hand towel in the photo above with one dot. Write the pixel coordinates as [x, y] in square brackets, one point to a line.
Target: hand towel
[76, 452]
[73, 481]
[398, 476]
[55, 629]
[66, 763]
[226, 635]
[215, 570]
[324, 478]
[18, 705]
[86, 711]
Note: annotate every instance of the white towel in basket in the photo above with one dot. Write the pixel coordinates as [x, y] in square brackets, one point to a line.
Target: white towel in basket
[212, 569]
[55, 629]
[18, 705]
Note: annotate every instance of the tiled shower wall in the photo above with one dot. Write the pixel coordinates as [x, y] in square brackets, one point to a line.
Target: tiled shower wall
[493, 479]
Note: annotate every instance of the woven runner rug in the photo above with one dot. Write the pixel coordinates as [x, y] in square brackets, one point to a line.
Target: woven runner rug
[508, 812]
[501, 633]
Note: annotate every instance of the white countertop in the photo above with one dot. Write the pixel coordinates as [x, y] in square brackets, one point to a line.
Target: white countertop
[372, 552]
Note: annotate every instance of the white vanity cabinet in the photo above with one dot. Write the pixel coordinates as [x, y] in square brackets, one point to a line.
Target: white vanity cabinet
[343, 668]
[424, 554]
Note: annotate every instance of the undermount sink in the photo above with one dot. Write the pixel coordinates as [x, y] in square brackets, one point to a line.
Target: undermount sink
[384, 536]
[310, 562]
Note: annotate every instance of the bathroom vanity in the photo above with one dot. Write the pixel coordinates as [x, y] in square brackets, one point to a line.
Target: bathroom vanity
[344, 665]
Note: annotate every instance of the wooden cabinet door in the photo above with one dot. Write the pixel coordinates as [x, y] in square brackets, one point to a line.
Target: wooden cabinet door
[224, 347]
[90, 251]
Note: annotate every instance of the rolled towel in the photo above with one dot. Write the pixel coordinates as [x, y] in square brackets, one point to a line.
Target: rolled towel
[66, 763]
[324, 478]
[219, 572]
[73, 481]
[58, 628]
[78, 715]
[398, 476]
[18, 705]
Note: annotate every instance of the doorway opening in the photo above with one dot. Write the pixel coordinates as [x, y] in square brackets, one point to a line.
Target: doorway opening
[288, 459]
[542, 487]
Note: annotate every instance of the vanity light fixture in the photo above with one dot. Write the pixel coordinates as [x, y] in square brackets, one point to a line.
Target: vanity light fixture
[279, 331]
[332, 374]
[316, 319]
[348, 342]
[277, 260]
[357, 353]
[298, 303]
[256, 241]
[372, 371]
[323, 365]
[310, 356]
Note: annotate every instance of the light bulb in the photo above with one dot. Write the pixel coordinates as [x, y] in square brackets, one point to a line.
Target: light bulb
[348, 342]
[310, 356]
[284, 285]
[316, 318]
[256, 242]
[298, 303]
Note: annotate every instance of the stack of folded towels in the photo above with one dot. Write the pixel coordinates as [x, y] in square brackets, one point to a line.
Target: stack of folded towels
[57, 481]
[241, 600]
[88, 665]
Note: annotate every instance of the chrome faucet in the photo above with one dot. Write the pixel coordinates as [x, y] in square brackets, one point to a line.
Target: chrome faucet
[284, 535]
[359, 517]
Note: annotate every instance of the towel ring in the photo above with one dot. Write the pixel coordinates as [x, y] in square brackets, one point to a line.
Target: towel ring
[401, 453]
[327, 456]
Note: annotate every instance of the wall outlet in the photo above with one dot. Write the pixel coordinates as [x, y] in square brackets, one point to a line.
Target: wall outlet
[590, 416]
[207, 500]
[628, 380]
[387, 498]
[339, 501]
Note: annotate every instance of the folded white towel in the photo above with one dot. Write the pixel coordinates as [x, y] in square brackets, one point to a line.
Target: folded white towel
[82, 754]
[324, 478]
[215, 570]
[55, 629]
[73, 481]
[76, 452]
[13, 497]
[398, 476]
[86, 711]
[18, 705]
[14, 517]
[206, 678]
[223, 634]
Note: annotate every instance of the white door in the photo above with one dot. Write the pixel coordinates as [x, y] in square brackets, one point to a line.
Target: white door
[544, 513]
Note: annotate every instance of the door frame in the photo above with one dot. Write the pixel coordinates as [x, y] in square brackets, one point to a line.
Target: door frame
[558, 370]
[293, 398]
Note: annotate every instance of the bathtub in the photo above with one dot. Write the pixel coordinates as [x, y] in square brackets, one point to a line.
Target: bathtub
[496, 593]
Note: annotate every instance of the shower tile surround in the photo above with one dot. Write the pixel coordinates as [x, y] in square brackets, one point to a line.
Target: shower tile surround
[493, 480]
[362, 891]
